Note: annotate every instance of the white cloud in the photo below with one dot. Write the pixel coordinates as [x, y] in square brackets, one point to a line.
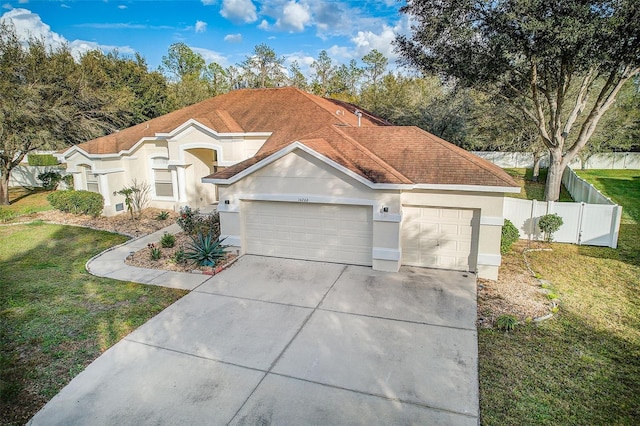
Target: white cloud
[201, 26]
[233, 38]
[210, 55]
[294, 17]
[209, 2]
[366, 41]
[122, 6]
[239, 11]
[340, 52]
[7, 6]
[23, 1]
[28, 24]
[264, 25]
[65, 6]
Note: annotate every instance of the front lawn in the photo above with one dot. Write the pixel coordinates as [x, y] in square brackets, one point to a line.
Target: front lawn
[55, 318]
[24, 201]
[583, 365]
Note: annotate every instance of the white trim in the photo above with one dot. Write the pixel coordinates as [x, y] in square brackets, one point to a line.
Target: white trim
[151, 174]
[161, 136]
[231, 240]
[298, 145]
[466, 188]
[106, 171]
[379, 253]
[492, 220]
[485, 259]
[387, 217]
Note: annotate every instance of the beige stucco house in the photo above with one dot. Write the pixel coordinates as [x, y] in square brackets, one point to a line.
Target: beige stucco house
[305, 177]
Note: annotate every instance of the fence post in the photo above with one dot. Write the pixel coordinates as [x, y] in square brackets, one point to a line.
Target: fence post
[615, 226]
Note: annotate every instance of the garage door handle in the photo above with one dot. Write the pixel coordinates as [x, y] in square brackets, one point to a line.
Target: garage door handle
[437, 243]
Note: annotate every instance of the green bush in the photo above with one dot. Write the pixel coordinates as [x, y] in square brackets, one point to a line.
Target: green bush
[506, 322]
[193, 222]
[50, 179]
[77, 202]
[205, 250]
[549, 224]
[167, 240]
[510, 235]
[162, 215]
[42, 160]
[68, 180]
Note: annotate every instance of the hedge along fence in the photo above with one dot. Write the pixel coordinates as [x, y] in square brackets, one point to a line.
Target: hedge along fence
[42, 160]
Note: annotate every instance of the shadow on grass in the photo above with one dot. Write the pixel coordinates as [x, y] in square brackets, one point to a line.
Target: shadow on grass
[563, 371]
[17, 194]
[57, 318]
[628, 250]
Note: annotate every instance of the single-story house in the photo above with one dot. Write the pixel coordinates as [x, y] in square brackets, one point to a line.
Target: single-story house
[300, 176]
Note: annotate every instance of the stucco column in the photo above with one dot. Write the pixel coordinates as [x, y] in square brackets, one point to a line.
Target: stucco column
[182, 183]
[103, 184]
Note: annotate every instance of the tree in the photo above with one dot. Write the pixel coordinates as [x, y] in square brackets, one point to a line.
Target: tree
[296, 78]
[323, 72]
[561, 62]
[181, 62]
[264, 68]
[375, 66]
[217, 79]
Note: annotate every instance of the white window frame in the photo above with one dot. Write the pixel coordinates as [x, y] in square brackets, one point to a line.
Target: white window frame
[155, 163]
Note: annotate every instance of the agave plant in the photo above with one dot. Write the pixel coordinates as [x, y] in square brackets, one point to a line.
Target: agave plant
[204, 250]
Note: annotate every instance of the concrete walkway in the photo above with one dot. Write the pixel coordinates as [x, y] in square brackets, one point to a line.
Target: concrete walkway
[110, 264]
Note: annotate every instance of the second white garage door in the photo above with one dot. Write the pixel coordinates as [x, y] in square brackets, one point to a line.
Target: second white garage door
[438, 238]
[325, 232]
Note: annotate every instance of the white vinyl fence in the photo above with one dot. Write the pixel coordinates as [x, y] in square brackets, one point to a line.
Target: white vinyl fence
[595, 224]
[605, 160]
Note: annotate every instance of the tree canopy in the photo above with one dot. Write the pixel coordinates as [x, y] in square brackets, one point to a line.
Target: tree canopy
[561, 62]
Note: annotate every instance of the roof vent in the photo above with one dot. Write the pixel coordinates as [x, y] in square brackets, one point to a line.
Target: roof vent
[358, 114]
[340, 112]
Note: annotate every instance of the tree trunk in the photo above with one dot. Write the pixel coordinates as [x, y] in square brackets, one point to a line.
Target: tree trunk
[536, 166]
[554, 176]
[4, 189]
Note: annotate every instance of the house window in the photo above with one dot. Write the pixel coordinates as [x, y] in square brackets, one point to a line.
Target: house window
[162, 179]
[92, 180]
[163, 183]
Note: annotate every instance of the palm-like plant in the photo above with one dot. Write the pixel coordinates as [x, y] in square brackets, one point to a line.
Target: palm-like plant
[205, 250]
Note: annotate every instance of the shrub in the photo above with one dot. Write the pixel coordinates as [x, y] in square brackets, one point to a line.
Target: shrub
[510, 235]
[193, 222]
[162, 215]
[136, 197]
[42, 160]
[167, 240]
[205, 250]
[549, 224]
[179, 256]
[155, 253]
[506, 322]
[68, 180]
[50, 179]
[77, 202]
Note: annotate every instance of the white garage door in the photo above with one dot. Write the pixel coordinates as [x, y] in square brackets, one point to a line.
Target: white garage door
[438, 238]
[326, 232]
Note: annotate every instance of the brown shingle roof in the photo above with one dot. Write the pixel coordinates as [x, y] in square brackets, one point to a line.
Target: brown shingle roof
[426, 159]
[377, 151]
[249, 110]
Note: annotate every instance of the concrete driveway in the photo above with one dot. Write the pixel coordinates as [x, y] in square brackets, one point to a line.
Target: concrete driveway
[278, 341]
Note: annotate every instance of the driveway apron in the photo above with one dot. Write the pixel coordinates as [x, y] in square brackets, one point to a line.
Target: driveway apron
[279, 341]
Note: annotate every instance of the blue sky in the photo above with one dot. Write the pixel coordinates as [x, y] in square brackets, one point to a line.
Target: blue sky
[224, 31]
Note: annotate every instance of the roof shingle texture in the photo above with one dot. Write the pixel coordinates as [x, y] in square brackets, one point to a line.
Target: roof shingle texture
[377, 151]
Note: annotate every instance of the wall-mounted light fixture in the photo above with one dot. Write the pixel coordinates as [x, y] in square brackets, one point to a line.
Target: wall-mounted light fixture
[385, 210]
[226, 201]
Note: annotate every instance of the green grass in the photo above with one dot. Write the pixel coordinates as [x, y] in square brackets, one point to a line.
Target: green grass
[582, 366]
[533, 190]
[622, 186]
[55, 318]
[24, 201]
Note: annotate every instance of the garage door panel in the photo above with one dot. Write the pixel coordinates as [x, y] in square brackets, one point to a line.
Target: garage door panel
[334, 233]
[437, 237]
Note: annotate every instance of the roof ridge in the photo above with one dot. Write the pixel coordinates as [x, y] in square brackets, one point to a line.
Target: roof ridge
[469, 156]
[372, 154]
[314, 98]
